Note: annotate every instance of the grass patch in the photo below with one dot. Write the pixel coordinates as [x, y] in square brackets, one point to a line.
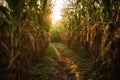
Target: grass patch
[45, 69]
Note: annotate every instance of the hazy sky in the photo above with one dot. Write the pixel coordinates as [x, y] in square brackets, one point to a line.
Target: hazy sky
[58, 5]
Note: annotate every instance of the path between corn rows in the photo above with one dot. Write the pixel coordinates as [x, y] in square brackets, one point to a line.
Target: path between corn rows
[63, 65]
[57, 64]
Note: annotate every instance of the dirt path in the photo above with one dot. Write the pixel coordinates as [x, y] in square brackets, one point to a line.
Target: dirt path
[58, 63]
[64, 66]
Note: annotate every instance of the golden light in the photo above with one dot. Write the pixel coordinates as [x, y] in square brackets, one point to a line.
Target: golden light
[56, 14]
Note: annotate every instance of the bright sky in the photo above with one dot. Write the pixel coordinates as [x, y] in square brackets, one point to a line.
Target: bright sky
[58, 4]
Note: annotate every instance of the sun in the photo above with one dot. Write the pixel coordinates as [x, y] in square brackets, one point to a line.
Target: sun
[56, 14]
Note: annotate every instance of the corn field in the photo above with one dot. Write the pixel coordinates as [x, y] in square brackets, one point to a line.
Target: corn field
[88, 27]
[92, 28]
[24, 36]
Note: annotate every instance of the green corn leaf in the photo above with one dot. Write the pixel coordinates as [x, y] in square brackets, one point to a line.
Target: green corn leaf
[4, 11]
[107, 8]
[16, 6]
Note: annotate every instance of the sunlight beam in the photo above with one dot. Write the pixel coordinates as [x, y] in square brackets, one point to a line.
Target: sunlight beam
[56, 15]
